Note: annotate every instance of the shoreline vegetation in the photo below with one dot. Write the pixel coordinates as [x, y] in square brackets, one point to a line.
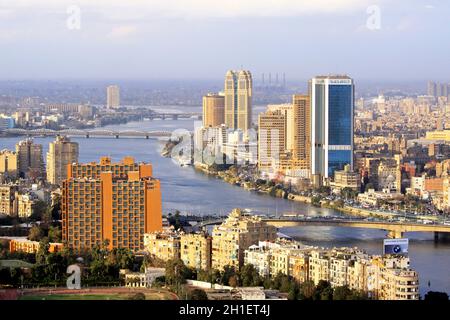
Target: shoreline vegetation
[230, 174]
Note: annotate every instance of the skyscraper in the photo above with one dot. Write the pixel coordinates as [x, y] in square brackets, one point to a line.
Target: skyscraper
[332, 105]
[301, 127]
[61, 153]
[112, 96]
[238, 99]
[118, 202]
[271, 138]
[213, 110]
[30, 160]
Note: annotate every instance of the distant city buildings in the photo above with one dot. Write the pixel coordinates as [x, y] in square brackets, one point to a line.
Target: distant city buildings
[112, 97]
[61, 153]
[114, 202]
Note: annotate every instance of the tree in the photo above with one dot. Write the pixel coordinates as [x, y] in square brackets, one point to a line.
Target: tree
[42, 253]
[323, 291]
[137, 296]
[228, 272]
[35, 233]
[233, 281]
[198, 294]
[250, 276]
[306, 289]
[54, 234]
[176, 272]
[342, 293]
[294, 291]
[436, 296]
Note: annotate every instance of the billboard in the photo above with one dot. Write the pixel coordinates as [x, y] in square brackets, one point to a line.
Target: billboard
[395, 246]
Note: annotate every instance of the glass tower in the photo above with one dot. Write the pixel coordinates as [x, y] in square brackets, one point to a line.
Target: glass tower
[332, 105]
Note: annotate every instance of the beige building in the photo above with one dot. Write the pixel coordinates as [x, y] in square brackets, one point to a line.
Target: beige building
[9, 163]
[236, 234]
[8, 205]
[25, 205]
[30, 159]
[112, 96]
[301, 128]
[238, 99]
[392, 279]
[61, 153]
[319, 266]
[195, 250]
[213, 110]
[163, 245]
[271, 139]
[346, 179]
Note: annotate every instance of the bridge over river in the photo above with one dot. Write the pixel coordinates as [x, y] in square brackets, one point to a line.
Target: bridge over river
[88, 133]
[394, 229]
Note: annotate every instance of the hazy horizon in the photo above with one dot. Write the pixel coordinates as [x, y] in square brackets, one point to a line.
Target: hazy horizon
[201, 39]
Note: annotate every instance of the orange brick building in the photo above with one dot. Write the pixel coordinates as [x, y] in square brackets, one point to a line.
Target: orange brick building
[118, 202]
[27, 246]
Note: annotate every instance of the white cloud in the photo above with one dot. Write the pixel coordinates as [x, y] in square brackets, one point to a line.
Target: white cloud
[197, 8]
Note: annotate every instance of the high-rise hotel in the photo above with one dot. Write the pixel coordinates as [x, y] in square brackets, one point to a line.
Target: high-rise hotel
[332, 105]
[238, 100]
[118, 202]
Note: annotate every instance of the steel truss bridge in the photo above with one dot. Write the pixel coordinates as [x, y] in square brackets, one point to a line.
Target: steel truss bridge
[87, 133]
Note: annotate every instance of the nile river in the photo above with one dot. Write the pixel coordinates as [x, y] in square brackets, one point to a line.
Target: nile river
[192, 192]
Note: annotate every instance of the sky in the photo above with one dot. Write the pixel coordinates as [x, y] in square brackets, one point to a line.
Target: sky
[201, 39]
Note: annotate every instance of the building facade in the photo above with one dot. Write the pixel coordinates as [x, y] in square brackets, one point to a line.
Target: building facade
[112, 96]
[61, 153]
[213, 110]
[30, 159]
[114, 202]
[238, 99]
[332, 105]
[236, 234]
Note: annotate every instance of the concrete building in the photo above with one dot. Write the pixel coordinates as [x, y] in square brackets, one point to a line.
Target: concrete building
[213, 110]
[238, 99]
[319, 266]
[236, 234]
[195, 250]
[112, 96]
[8, 205]
[117, 202]
[346, 179]
[61, 153]
[31, 247]
[9, 163]
[301, 128]
[164, 246]
[30, 159]
[271, 139]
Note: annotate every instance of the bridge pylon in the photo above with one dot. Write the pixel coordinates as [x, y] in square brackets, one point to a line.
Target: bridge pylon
[394, 234]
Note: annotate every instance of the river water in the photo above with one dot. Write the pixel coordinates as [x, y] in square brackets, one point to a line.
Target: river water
[193, 192]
